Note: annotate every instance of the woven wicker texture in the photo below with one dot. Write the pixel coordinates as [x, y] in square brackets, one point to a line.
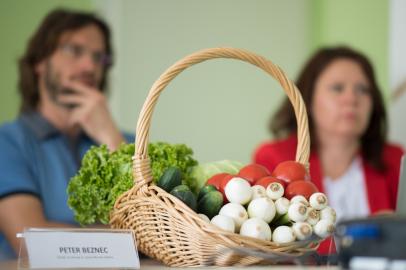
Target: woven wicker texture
[168, 230]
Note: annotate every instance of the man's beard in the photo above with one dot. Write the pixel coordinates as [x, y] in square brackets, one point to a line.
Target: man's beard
[54, 86]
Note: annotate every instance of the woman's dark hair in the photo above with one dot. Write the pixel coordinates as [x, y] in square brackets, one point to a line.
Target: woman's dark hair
[44, 42]
[283, 121]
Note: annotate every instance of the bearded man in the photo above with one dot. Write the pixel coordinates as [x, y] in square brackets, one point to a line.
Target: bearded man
[63, 113]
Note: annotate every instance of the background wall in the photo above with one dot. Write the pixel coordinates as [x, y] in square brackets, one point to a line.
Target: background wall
[362, 24]
[220, 107]
[397, 71]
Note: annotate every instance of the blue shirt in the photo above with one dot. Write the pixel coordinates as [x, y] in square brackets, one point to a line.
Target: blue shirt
[37, 159]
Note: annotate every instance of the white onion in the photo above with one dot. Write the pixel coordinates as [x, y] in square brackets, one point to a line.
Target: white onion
[223, 222]
[235, 211]
[258, 191]
[283, 235]
[318, 200]
[263, 208]
[299, 199]
[238, 190]
[297, 212]
[282, 206]
[323, 228]
[328, 213]
[257, 228]
[275, 190]
[302, 230]
[313, 216]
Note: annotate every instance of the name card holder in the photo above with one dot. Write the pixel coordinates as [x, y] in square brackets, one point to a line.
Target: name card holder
[46, 248]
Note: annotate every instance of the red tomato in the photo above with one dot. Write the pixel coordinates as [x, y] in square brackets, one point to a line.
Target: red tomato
[215, 180]
[300, 187]
[223, 184]
[291, 171]
[265, 181]
[253, 172]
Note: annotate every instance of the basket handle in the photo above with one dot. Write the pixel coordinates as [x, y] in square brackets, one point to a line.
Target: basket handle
[141, 166]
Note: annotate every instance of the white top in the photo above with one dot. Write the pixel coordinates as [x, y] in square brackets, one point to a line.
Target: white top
[347, 194]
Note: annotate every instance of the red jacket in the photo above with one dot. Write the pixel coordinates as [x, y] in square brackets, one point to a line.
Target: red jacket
[381, 186]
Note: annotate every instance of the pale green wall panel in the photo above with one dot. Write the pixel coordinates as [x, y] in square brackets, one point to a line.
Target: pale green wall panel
[18, 20]
[221, 107]
[362, 24]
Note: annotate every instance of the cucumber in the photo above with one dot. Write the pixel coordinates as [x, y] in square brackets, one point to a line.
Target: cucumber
[210, 203]
[204, 191]
[183, 193]
[171, 178]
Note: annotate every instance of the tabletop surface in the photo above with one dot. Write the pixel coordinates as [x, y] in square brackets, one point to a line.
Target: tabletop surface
[149, 264]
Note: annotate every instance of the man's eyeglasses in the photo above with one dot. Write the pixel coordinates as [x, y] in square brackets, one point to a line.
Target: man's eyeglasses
[76, 51]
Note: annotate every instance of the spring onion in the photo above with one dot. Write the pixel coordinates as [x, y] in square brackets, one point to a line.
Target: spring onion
[313, 216]
[257, 228]
[275, 190]
[318, 200]
[302, 230]
[263, 208]
[223, 222]
[323, 228]
[299, 199]
[283, 235]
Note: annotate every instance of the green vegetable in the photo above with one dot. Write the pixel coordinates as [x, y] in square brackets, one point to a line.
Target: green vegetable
[164, 155]
[201, 173]
[104, 176]
[171, 178]
[183, 193]
[205, 190]
[210, 204]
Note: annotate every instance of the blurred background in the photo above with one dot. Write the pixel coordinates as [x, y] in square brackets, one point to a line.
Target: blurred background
[220, 108]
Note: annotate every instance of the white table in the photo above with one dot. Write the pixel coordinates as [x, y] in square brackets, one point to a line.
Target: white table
[149, 264]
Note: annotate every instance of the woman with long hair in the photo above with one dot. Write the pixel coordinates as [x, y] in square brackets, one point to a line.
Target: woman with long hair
[350, 159]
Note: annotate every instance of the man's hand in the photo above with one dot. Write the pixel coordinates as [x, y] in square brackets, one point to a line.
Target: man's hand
[91, 113]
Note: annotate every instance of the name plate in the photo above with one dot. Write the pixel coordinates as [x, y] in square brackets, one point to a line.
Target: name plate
[81, 248]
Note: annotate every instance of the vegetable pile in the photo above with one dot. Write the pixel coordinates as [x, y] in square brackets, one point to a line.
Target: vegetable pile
[281, 207]
[104, 176]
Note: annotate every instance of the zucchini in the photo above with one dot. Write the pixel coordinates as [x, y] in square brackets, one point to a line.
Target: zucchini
[205, 190]
[210, 203]
[183, 193]
[171, 178]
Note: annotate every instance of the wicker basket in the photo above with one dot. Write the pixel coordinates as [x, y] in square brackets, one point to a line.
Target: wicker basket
[168, 230]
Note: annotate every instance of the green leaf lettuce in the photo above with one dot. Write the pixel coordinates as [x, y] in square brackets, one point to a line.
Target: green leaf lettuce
[104, 176]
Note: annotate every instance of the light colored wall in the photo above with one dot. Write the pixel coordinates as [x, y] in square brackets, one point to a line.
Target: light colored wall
[220, 108]
[362, 24]
[18, 20]
[397, 67]
[397, 43]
